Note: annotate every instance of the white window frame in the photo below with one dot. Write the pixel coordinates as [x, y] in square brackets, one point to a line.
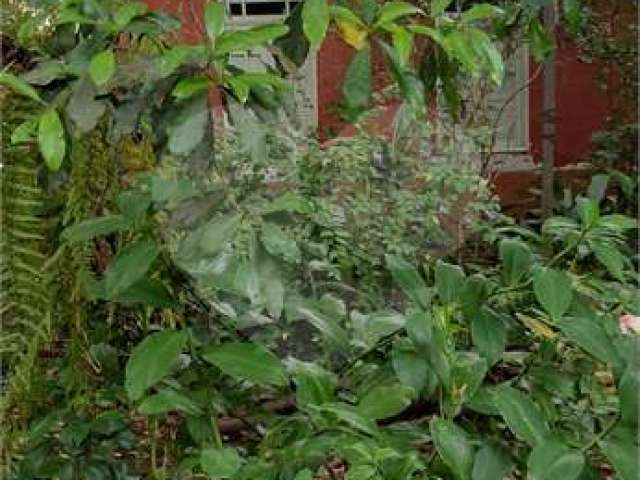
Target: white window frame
[304, 80]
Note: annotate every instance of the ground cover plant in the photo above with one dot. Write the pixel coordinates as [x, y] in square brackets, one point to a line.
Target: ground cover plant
[193, 293]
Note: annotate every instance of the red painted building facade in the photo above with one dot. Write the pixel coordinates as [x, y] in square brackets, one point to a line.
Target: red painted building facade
[582, 106]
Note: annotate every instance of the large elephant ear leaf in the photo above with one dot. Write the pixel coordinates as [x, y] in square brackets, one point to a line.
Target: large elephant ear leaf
[51, 139]
[151, 360]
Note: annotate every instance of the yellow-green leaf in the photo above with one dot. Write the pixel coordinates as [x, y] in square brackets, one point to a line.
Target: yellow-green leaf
[102, 67]
[51, 139]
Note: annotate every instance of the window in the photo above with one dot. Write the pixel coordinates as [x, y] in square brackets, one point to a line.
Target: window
[248, 13]
[513, 127]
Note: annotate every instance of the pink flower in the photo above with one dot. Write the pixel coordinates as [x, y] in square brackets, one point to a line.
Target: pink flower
[629, 324]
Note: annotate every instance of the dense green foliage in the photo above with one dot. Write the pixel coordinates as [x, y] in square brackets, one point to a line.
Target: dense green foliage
[240, 301]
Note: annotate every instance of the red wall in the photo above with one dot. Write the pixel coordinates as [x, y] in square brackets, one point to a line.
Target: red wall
[581, 107]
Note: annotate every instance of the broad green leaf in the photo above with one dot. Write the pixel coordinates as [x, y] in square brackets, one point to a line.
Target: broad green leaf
[19, 86]
[305, 474]
[95, 227]
[357, 84]
[453, 446]
[412, 368]
[458, 45]
[188, 87]
[249, 361]
[476, 290]
[315, 20]
[609, 256]
[214, 19]
[409, 280]
[552, 460]
[220, 462]
[350, 27]
[489, 335]
[467, 373]
[491, 463]
[189, 126]
[102, 67]
[403, 44]
[385, 401]
[516, 258]
[481, 11]
[25, 132]
[540, 42]
[375, 326]
[420, 328]
[629, 393]
[553, 291]
[450, 281]
[621, 448]
[51, 139]
[145, 291]
[589, 333]
[327, 325]
[521, 414]
[151, 360]
[347, 414]
[390, 11]
[314, 384]
[175, 57]
[290, 202]
[430, 342]
[129, 265]
[278, 243]
[46, 72]
[243, 40]
[270, 281]
[167, 400]
[438, 7]
[588, 211]
[83, 108]
[488, 54]
[124, 14]
[240, 88]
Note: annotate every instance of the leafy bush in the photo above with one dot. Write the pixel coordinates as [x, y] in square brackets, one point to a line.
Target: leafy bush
[257, 305]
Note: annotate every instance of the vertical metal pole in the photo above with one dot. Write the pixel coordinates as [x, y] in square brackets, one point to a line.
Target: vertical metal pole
[549, 117]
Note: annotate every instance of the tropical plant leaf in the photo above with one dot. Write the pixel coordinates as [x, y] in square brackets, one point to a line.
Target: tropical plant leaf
[385, 401]
[214, 19]
[491, 463]
[167, 400]
[220, 462]
[51, 139]
[151, 360]
[553, 290]
[450, 282]
[249, 361]
[552, 460]
[19, 86]
[315, 20]
[95, 227]
[102, 67]
[129, 265]
[516, 258]
[409, 280]
[521, 414]
[453, 446]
